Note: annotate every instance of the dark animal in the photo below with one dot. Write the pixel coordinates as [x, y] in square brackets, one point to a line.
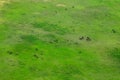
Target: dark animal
[66, 9]
[36, 49]
[113, 31]
[10, 52]
[73, 6]
[50, 42]
[56, 41]
[76, 43]
[44, 7]
[88, 39]
[16, 54]
[36, 56]
[67, 40]
[80, 52]
[81, 38]
[56, 12]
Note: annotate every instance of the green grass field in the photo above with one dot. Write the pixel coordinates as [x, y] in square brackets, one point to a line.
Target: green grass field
[59, 39]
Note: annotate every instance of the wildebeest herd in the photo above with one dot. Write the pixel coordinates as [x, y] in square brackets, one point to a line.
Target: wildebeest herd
[87, 38]
[35, 55]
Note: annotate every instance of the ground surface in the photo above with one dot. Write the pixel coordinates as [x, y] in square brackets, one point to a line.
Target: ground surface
[59, 40]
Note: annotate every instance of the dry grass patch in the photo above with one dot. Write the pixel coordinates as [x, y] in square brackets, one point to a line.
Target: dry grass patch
[2, 2]
[61, 5]
[46, 0]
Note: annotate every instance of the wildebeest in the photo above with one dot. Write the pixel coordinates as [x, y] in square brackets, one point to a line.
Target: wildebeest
[73, 6]
[36, 49]
[66, 9]
[56, 41]
[51, 42]
[56, 12]
[16, 54]
[44, 7]
[76, 43]
[88, 39]
[10, 52]
[113, 31]
[81, 38]
[80, 52]
[36, 56]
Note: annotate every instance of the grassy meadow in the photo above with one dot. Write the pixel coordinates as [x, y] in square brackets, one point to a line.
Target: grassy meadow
[59, 39]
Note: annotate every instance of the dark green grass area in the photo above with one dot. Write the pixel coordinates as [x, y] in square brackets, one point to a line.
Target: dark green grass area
[60, 40]
[51, 27]
[115, 53]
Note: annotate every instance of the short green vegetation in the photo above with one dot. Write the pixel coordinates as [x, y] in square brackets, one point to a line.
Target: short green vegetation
[59, 39]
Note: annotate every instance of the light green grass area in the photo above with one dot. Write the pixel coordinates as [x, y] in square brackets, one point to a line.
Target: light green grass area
[60, 40]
